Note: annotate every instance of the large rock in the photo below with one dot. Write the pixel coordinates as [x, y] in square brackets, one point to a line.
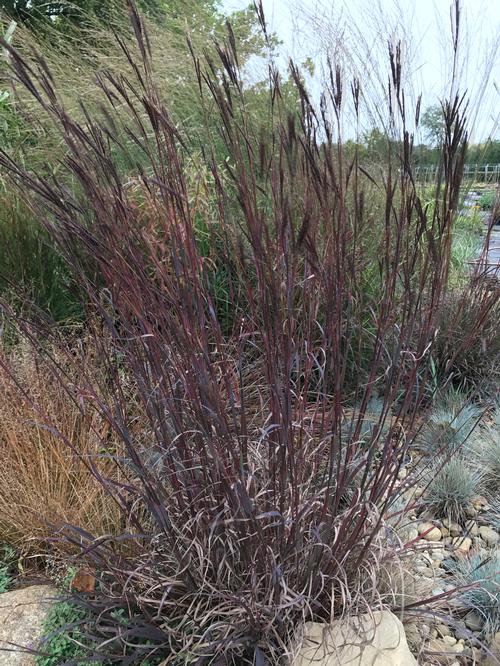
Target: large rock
[376, 639]
[22, 613]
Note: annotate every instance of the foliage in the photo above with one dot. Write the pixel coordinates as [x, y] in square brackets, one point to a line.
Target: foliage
[239, 517]
[7, 557]
[465, 356]
[483, 573]
[63, 12]
[61, 636]
[452, 490]
[449, 424]
[487, 450]
[493, 515]
[487, 199]
[43, 484]
[31, 268]
[433, 123]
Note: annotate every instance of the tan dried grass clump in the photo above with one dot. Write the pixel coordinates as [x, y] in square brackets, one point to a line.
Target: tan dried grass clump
[44, 483]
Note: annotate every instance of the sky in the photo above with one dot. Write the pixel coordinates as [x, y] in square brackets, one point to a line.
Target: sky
[315, 28]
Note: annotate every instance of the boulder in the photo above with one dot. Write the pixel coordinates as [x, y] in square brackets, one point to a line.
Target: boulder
[22, 613]
[376, 639]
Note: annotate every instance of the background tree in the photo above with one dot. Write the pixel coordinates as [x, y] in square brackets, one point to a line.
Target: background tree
[433, 125]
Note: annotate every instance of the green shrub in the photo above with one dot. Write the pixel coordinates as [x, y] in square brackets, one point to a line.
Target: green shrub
[487, 199]
[452, 490]
[483, 571]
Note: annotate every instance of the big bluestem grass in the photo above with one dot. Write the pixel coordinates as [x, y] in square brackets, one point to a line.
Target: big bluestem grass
[248, 509]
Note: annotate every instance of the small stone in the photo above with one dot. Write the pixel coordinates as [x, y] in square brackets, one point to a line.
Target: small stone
[443, 630]
[402, 474]
[472, 527]
[444, 652]
[438, 554]
[411, 534]
[489, 535]
[425, 630]
[471, 512]
[450, 640]
[476, 655]
[462, 545]
[454, 528]
[429, 532]
[474, 621]
[413, 635]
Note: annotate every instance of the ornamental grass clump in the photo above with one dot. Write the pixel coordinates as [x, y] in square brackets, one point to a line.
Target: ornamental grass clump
[452, 490]
[449, 426]
[245, 507]
[481, 575]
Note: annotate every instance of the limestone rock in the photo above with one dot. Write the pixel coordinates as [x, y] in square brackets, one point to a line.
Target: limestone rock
[462, 545]
[489, 535]
[429, 532]
[22, 613]
[442, 652]
[474, 621]
[376, 639]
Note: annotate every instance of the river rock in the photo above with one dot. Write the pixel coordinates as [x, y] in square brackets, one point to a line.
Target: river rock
[454, 528]
[429, 532]
[442, 652]
[22, 613]
[474, 621]
[376, 639]
[489, 535]
[462, 545]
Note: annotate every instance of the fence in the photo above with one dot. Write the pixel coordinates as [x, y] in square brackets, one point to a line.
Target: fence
[481, 173]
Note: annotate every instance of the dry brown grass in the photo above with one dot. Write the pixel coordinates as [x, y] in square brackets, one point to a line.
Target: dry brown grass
[42, 482]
